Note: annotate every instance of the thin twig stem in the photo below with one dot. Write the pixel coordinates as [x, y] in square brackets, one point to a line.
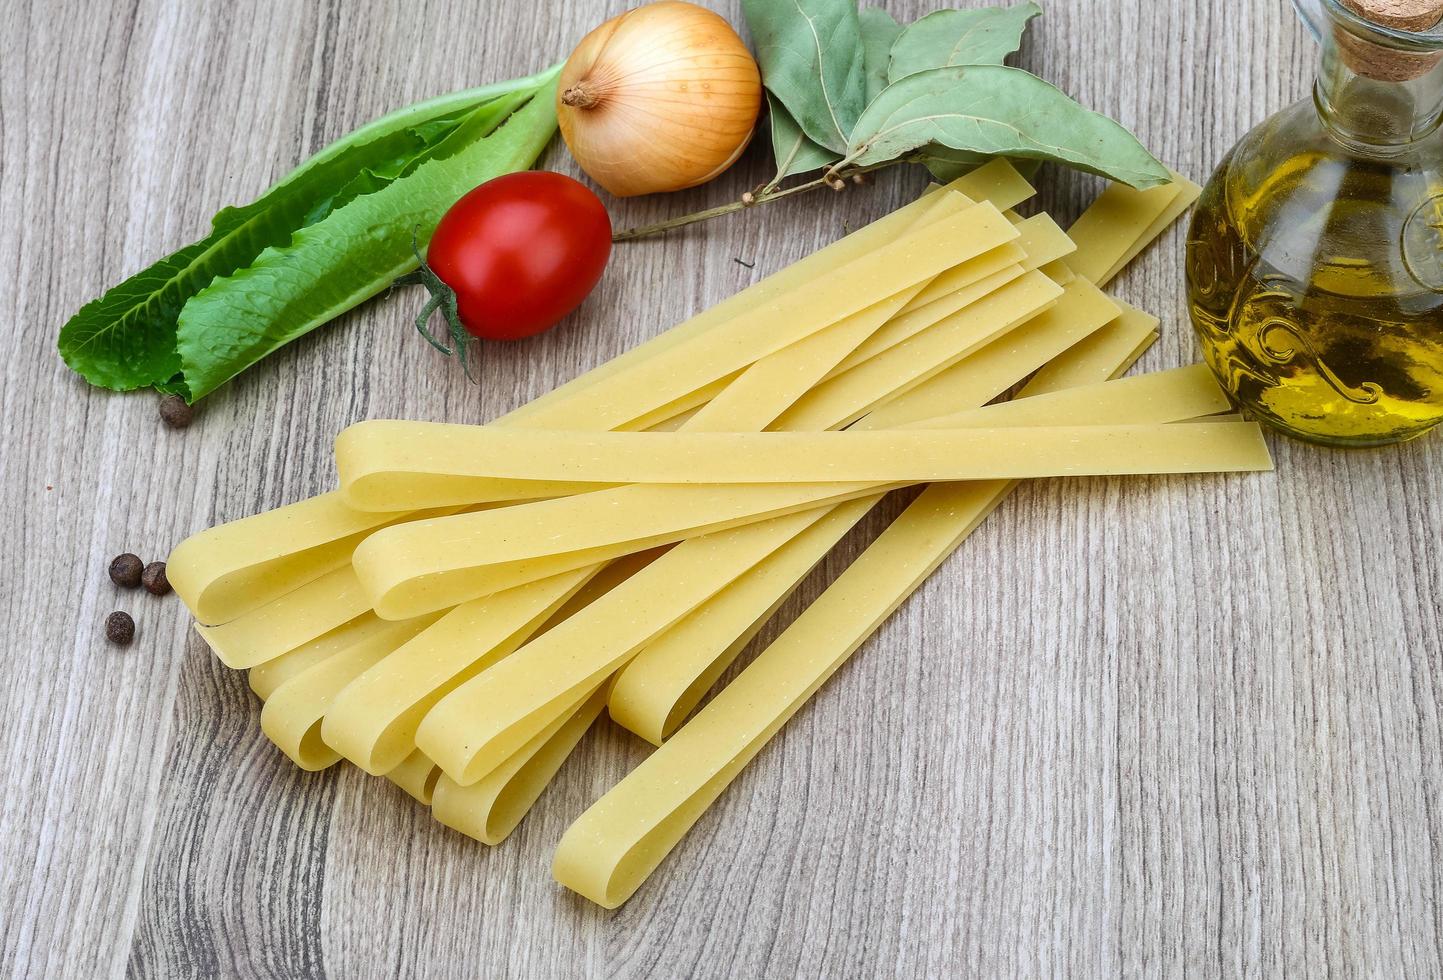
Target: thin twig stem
[763, 195]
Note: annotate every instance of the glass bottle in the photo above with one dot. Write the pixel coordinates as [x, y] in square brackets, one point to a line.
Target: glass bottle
[1315, 258]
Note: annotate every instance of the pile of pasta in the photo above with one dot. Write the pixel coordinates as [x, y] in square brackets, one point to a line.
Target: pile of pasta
[472, 599]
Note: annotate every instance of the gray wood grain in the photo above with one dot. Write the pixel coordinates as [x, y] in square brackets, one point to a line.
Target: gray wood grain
[1134, 728]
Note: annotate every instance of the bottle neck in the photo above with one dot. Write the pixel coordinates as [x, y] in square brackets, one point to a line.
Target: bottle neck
[1369, 111]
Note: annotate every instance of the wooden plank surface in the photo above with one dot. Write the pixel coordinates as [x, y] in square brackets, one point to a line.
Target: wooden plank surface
[1181, 727]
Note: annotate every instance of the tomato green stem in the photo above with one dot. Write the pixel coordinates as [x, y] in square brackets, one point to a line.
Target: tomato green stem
[443, 298]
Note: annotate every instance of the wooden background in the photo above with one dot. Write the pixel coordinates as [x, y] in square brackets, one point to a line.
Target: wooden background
[1166, 727]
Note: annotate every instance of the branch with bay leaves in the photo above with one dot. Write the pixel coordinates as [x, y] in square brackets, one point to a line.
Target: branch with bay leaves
[850, 92]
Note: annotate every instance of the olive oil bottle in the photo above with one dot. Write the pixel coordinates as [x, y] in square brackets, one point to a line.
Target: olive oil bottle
[1315, 259]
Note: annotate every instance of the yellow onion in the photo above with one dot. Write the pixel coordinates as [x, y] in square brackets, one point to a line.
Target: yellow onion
[659, 98]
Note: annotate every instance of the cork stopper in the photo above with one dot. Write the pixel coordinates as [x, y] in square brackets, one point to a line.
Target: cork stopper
[1402, 15]
[1386, 64]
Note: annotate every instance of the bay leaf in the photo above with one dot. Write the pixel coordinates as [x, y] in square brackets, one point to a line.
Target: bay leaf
[960, 37]
[998, 111]
[947, 164]
[879, 32]
[811, 56]
[795, 152]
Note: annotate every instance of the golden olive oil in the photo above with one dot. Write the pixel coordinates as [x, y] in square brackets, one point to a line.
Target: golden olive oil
[1315, 267]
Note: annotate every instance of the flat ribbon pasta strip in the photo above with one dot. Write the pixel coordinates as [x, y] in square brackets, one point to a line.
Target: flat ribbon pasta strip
[1041, 243]
[297, 617]
[897, 371]
[680, 406]
[292, 714]
[227, 571]
[266, 677]
[616, 844]
[1187, 196]
[489, 810]
[934, 455]
[1059, 272]
[770, 385]
[750, 403]
[1113, 223]
[669, 676]
[1073, 370]
[1181, 394]
[973, 382]
[417, 777]
[969, 273]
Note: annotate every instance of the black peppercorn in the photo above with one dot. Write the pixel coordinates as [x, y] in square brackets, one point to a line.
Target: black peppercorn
[125, 570]
[175, 412]
[119, 628]
[154, 580]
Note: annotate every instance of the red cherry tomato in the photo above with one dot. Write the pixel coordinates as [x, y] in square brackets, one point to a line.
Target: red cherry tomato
[521, 252]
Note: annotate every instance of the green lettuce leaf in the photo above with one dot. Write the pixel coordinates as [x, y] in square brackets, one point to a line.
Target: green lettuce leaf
[126, 338]
[357, 250]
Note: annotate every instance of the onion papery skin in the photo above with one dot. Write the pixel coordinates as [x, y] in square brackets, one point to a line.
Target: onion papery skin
[660, 98]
